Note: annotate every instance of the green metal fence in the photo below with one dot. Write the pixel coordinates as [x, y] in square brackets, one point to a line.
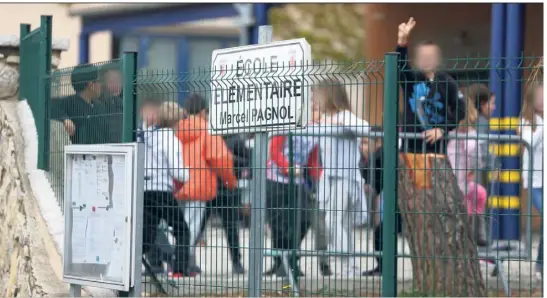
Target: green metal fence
[35, 67]
[428, 235]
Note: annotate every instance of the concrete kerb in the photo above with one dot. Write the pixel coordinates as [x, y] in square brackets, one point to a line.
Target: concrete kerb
[203, 286]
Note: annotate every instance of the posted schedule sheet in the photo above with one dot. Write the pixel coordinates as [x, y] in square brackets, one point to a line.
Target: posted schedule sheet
[98, 197]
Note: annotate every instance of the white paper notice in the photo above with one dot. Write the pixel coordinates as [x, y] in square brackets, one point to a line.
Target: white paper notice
[88, 187]
[77, 198]
[116, 266]
[103, 181]
[118, 184]
[99, 239]
[78, 245]
[117, 259]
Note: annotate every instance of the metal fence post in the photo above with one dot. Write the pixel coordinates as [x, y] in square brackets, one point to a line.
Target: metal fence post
[44, 93]
[258, 204]
[129, 68]
[24, 30]
[129, 126]
[389, 231]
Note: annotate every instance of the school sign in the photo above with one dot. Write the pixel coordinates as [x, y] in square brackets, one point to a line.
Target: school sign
[260, 88]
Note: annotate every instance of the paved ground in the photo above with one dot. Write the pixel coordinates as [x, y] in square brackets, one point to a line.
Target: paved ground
[218, 279]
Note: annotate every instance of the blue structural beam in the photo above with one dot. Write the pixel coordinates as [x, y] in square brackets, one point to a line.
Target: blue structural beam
[83, 44]
[497, 63]
[159, 17]
[260, 13]
[506, 200]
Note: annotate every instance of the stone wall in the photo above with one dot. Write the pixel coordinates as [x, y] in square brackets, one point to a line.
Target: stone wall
[30, 264]
[26, 268]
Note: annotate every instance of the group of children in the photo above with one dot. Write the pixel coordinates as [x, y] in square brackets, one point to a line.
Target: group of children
[436, 108]
[190, 174]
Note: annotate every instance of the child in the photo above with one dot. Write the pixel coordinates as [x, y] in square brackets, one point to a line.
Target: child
[210, 162]
[370, 153]
[163, 166]
[340, 185]
[432, 105]
[532, 132]
[280, 198]
[376, 163]
[465, 159]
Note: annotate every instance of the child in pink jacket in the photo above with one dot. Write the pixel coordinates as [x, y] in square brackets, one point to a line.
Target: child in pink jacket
[465, 157]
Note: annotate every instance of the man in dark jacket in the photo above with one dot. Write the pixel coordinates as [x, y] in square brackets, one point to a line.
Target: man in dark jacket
[83, 114]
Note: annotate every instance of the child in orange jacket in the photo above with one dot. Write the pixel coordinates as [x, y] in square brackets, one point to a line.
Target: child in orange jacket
[209, 160]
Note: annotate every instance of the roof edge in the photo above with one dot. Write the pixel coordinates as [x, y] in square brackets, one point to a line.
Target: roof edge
[107, 10]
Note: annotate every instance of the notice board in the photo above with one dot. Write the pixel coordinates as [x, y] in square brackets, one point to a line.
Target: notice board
[103, 205]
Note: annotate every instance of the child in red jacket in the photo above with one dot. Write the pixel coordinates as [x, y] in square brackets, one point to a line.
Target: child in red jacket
[283, 201]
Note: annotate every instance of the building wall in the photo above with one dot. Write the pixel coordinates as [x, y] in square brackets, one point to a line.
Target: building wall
[100, 46]
[64, 26]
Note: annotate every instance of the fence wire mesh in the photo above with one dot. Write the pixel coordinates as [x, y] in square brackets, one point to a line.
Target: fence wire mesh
[455, 206]
[86, 108]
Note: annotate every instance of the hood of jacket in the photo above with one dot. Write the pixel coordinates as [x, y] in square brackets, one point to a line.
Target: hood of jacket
[191, 129]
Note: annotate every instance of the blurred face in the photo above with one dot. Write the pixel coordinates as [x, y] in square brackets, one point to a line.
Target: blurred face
[487, 109]
[113, 80]
[428, 58]
[538, 100]
[365, 147]
[149, 114]
[370, 145]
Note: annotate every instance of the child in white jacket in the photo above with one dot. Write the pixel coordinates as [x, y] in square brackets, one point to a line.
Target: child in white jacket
[340, 187]
[163, 165]
[531, 131]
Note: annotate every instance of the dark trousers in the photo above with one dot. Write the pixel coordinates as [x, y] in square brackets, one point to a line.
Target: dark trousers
[226, 205]
[378, 241]
[162, 205]
[283, 205]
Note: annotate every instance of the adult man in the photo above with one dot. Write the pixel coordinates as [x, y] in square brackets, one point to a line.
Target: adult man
[82, 113]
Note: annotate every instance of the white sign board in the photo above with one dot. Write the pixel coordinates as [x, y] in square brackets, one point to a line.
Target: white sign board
[103, 200]
[260, 87]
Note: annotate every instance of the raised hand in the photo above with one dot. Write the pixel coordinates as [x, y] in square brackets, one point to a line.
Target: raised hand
[404, 31]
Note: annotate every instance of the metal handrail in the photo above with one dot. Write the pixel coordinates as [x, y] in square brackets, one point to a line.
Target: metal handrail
[337, 131]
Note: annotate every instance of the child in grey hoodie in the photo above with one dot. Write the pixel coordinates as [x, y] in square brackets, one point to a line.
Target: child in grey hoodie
[340, 187]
